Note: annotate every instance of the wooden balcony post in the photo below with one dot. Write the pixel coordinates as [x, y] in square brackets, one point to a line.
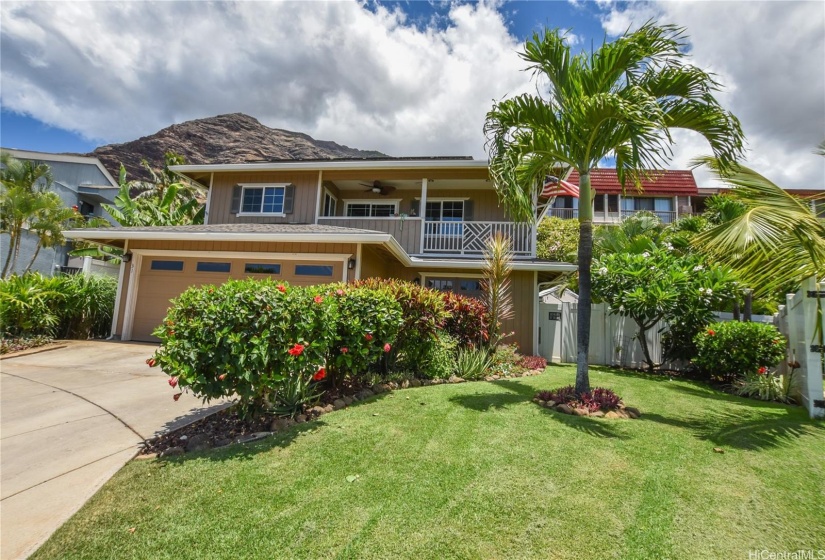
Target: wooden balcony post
[422, 211]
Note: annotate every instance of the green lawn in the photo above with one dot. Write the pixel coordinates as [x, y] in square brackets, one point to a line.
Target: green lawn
[478, 471]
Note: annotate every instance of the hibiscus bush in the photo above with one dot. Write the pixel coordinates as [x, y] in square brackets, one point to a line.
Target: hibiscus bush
[731, 351]
[244, 338]
[368, 326]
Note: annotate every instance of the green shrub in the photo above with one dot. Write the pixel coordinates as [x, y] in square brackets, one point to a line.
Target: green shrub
[766, 387]
[506, 359]
[467, 320]
[423, 313]
[62, 306]
[473, 363]
[731, 351]
[438, 360]
[368, 327]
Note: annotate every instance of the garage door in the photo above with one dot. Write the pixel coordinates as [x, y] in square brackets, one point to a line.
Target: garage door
[165, 278]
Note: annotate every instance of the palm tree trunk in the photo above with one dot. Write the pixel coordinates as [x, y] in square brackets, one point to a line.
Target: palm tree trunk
[7, 264]
[585, 260]
[36, 251]
[16, 251]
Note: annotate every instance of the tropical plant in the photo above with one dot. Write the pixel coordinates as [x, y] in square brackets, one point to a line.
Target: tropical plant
[498, 261]
[731, 351]
[766, 386]
[48, 222]
[22, 186]
[467, 319]
[661, 286]
[557, 239]
[635, 234]
[623, 99]
[720, 209]
[777, 241]
[472, 363]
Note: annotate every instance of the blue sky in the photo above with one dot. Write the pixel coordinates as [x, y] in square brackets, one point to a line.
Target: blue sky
[404, 78]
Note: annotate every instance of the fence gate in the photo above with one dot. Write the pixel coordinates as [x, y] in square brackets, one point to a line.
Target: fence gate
[797, 320]
[551, 328]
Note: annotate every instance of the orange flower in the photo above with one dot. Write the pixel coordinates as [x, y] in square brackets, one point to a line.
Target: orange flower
[320, 374]
[281, 288]
[297, 350]
[711, 332]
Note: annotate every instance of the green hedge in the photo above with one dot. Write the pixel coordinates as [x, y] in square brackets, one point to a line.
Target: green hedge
[730, 351]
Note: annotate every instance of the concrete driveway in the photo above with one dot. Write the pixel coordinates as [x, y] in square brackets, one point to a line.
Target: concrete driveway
[70, 419]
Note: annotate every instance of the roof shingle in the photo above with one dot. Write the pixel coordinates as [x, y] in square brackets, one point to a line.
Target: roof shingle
[664, 183]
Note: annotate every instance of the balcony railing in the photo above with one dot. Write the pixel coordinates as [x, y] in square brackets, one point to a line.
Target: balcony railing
[565, 213]
[470, 238]
[667, 216]
[611, 217]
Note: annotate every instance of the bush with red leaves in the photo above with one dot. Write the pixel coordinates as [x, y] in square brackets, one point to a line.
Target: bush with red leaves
[533, 362]
[597, 399]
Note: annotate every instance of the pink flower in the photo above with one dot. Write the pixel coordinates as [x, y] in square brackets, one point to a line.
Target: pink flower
[221, 377]
[387, 347]
[173, 382]
[368, 336]
[297, 350]
[344, 350]
[339, 292]
[318, 299]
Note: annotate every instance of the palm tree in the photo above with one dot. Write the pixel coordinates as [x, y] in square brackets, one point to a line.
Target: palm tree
[48, 223]
[777, 241]
[23, 184]
[622, 100]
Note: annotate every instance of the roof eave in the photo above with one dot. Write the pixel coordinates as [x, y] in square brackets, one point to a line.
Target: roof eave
[332, 165]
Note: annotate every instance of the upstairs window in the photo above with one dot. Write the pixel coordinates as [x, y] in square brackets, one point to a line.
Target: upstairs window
[371, 209]
[330, 204]
[263, 200]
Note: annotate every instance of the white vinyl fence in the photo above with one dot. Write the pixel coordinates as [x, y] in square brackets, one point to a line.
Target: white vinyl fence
[612, 337]
[797, 320]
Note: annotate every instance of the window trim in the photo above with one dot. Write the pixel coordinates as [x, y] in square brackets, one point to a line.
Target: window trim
[371, 201]
[441, 202]
[263, 187]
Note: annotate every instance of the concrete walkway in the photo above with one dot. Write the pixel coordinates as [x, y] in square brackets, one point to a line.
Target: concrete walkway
[70, 418]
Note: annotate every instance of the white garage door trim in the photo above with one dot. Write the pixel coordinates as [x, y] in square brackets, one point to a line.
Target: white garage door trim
[137, 261]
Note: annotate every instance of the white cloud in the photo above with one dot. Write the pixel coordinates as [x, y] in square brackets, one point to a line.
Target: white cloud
[769, 57]
[115, 71]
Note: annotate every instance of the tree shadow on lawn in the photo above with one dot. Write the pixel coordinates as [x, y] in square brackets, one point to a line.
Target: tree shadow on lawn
[520, 393]
[744, 431]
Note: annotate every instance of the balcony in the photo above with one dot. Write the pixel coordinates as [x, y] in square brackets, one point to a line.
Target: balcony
[470, 238]
[443, 237]
[600, 217]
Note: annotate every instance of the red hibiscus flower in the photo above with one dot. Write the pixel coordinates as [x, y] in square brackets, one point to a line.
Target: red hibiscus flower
[176, 396]
[344, 350]
[368, 336]
[763, 370]
[318, 299]
[173, 382]
[297, 350]
[281, 288]
[387, 347]
[221, 377]
[320, 374]
[711, 332]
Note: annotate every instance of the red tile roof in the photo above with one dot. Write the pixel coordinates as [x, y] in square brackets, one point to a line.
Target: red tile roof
[662, 183]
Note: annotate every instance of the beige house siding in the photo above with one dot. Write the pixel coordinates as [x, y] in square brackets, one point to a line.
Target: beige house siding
[486, 207]
[306, 196]
[407, 232]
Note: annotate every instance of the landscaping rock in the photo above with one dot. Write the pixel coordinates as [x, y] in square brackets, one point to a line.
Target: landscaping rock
[579, 411]
[183, 437]
[379, 388]
[348, 400]
[392, 385]
[550, 404]
[612, 414]
[198, 442]
[405, 383]
[564, 408]
[338, 404]
[316, 411]
[171, 452]
[597, 414]
[364, 394]
[540, 402]
[455, 379]
[278, 425]
[488, 378]
[436, 382]
[301, 418]
[496, 377]
[415, 383]
[329, 408]
[633, 412]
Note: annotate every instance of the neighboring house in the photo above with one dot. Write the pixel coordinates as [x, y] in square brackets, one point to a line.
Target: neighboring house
[668, 194]
[424, 220]
[79, 181]
[817, 203]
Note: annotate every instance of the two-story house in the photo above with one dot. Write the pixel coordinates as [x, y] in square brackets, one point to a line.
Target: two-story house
[81, 182]
[425, 220]
[668, 194]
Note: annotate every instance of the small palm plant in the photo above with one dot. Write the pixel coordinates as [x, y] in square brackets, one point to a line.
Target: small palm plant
[495, 285]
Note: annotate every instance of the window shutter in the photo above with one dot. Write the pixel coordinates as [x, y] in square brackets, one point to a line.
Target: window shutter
[415, 208]
[468, 210]
[237, 191]
[289, 199]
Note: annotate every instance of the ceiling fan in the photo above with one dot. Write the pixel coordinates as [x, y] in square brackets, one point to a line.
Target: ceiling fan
[377, 188]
